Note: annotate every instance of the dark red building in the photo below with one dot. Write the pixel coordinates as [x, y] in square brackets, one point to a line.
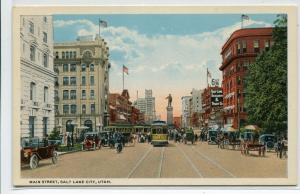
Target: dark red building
[240, 50]
[212, 102]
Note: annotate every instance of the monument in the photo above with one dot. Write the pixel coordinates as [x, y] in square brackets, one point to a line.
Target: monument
[169, 110]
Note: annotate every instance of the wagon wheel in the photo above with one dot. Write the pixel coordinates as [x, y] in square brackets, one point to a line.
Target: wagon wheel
[34, 161]
[54, 157]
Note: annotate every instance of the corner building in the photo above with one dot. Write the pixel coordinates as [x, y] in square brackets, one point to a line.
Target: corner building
[240, 50]
[37, 76]
[82, 84]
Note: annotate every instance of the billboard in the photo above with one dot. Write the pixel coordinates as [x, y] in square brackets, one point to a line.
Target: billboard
[216, 97]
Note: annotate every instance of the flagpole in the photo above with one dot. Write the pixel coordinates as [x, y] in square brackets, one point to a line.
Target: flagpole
[207, 76]
[99, 27]
[123, 77]
[242, 22]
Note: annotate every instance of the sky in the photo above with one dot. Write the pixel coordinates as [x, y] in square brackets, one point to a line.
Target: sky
[168, 53]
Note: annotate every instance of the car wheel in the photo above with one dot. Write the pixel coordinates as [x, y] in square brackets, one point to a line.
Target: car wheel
[34, 161]
[54, 157]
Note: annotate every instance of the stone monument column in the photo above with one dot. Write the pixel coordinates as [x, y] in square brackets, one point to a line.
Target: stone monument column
[169, 115]
[169, 110]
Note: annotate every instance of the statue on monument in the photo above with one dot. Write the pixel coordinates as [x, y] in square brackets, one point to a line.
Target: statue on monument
[169, 100]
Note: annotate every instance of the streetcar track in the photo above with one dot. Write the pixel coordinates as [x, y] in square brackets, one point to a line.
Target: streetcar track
[161, 162]
[190, 162]
[214, 162]
[139, 162]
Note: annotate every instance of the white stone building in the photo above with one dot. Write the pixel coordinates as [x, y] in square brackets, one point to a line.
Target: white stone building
[147, 106]
[196, 101]
[185, 110]
[37, 76]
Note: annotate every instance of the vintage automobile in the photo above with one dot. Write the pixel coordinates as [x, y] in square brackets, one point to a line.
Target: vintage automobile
[91, 141]
[189, 136]
[268, 140]
[106, 138]
[212, 136]
[35, 149]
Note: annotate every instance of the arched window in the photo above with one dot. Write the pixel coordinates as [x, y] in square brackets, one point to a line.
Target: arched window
[92, 68]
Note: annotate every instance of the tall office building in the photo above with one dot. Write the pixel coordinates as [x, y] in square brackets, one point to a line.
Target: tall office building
[147, 106]
[82, 85]
[37, 76]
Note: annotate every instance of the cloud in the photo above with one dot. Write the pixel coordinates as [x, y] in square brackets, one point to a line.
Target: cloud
[161, 61]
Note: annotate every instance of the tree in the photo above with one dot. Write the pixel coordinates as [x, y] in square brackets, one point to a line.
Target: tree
[266, 84]
[54, 133]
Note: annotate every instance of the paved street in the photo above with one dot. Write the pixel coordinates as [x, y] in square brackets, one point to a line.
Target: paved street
[174, 161]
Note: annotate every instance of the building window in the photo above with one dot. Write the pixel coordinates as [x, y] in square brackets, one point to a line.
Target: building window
[73, 94]
[66, 81]
[45, 37]
[73, 67]
[83, 67]
[32, 91]
[83, 109]
[66, 67]
[74, 54]
[238, 80]
[73, 80]
[45, 59]
[83, 81]
[93, 108]
[73, 109]
[244, 43]
[45, 123]
[66, 94]
[67, 54]
[56, 55]
[66, 108]
[92, 80]
[32, 53]
[92, 94]
[256, 46]
[63, 55]
[267, 45]
[31, 27]
[71, 54]
[238, 48]
[31, 126]
[92, 67]
[83, 94]
[46, 94]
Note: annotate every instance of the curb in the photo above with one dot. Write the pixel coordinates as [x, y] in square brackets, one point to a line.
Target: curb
[63, 153]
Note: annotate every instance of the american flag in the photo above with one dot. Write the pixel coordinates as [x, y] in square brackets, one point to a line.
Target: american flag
[103, 23]
[245, 17]
[125, 69]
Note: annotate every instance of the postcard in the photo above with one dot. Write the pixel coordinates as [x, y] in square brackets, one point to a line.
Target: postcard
[111, 96]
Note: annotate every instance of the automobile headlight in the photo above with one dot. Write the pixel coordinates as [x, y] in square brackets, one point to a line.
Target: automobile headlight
[26, 154]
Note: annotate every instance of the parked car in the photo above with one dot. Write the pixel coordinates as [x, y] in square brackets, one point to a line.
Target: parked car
[91, 141]
[35, 149]
[268, 140]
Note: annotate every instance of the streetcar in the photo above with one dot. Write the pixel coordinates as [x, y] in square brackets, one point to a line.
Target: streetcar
[159, 133]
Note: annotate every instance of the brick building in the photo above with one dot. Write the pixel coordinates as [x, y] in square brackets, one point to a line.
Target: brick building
[120, 108]
[177, 122]
[240, 50]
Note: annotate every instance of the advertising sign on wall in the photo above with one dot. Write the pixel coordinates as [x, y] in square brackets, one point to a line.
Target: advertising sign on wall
[216, 97]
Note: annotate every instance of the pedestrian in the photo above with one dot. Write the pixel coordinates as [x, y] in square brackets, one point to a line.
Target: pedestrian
[68, 141]
[196, 137]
